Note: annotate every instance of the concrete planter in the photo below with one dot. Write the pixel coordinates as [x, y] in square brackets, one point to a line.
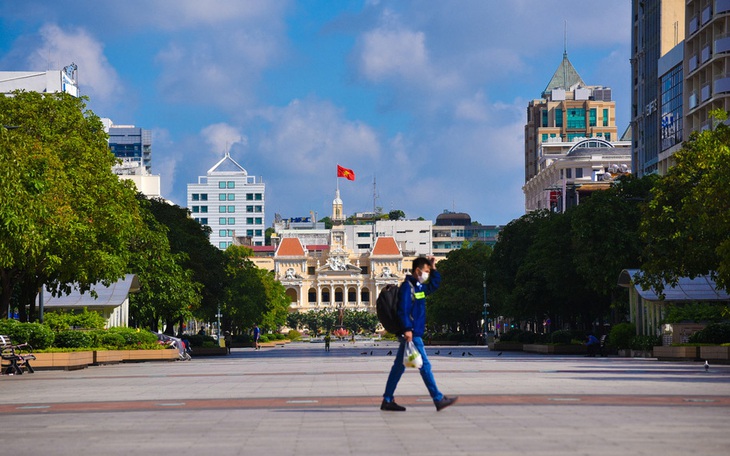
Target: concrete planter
[65, 361]
[506, 346]
[715, 353]
[641, 353]
[149, 355]
[671, 353]
[555, 349]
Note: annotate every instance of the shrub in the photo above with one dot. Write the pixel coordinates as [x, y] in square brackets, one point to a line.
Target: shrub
[622, 336]
[511, 335]
[200, 340]
[59, 321]
[37, 335]
[714, 333]
[527, 337]
[108, 339]
[294, 335]
[645, 343]
[136, 338]
[264, 338]
[242, 339]
[562, 336]
[73, 339]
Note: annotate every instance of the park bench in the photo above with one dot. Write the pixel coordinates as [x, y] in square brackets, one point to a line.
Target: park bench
[15, 357]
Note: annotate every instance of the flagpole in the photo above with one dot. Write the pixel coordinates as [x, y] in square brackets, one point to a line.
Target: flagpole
[337, 178]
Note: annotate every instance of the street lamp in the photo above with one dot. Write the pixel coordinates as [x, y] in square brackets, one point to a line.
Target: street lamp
[486, 305]
[218, 316]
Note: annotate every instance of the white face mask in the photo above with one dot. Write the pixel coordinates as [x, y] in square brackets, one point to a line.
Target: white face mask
[423, 278]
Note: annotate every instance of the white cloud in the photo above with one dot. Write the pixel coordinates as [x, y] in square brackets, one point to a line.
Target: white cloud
[56, 47]
[221, 137]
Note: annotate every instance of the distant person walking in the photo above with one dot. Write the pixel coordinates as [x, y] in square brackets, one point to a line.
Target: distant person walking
[229, 341]
[423, 280]
[327, 340]
[256, 337]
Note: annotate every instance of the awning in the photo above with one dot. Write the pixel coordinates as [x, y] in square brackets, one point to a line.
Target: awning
[701, 288]
[111, 296]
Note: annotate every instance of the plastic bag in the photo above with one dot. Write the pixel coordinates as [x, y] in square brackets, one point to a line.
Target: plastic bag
[411, 357]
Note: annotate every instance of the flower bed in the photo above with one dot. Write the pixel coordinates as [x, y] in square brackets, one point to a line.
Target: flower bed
[669, 352]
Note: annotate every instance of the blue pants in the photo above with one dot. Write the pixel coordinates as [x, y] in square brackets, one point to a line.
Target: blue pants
[398, 368]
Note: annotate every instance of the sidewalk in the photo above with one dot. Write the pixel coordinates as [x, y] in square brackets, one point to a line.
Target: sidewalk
[299, 400]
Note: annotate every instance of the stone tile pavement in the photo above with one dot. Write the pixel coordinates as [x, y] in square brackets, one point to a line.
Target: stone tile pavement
[299, 400]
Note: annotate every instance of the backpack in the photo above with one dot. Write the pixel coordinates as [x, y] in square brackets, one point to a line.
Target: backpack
[387, 309]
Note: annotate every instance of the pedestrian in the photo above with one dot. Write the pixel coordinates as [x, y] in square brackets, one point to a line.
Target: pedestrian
[592, 344]
[423, 280]
[229, 341]
[256, 337]
[327, 340]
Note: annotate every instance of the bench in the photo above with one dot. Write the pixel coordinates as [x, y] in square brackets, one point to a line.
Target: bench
[15, 357]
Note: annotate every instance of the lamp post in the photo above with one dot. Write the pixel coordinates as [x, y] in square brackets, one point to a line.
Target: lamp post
[486, 305]
[218, 316]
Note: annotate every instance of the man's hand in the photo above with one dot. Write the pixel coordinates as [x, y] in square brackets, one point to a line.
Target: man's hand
[408, 336]
[431, 261]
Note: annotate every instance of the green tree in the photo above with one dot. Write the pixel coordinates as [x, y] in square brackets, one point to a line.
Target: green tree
[396, 215]
[65, 218]
[327, 222]
[686, 226]
[277, 302]
[459, 302]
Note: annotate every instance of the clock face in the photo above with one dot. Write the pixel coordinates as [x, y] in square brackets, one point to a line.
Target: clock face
[386, 270]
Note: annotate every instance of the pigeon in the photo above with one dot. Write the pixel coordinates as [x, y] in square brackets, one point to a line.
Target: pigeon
[707, 366]
[449, 353]
[364, 353]
[499, 354]
[390, 352]
[371, 353]
[469, 353]
[438, 352]
[463, 353]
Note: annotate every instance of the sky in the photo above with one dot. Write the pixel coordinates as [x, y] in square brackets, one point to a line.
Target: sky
[425, 100]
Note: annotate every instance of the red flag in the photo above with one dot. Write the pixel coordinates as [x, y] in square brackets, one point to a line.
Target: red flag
[346, 173]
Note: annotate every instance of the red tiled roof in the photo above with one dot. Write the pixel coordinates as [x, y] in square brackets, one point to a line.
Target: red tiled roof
[263, 248]
[318, 247]
[290, 247]
[386, 246]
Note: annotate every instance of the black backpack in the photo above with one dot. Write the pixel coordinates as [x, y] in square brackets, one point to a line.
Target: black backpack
[387, 309]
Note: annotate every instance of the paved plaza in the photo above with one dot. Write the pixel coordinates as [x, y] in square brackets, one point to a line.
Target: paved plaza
[299, 400]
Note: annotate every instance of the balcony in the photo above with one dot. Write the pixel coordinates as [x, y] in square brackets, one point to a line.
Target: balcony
[722, 45]
[706, 14]
[692, 100]
[721, 85]
[722, 6]
[694, 25]
[706, 53]
[705, 92]
[692, 63]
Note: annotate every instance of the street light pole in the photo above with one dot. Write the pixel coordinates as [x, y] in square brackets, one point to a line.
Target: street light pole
[486, 313]
[218, 316]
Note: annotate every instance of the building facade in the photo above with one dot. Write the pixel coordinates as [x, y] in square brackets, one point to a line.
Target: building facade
[568, 110]
[51, 81]
[658, 27]
[453, 229]
[569, 171]
[230, 202]
[133, 147]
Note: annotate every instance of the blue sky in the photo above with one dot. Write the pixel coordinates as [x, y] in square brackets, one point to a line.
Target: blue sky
[427, 97]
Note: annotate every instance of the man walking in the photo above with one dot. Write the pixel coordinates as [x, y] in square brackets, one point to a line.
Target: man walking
[423, 280]
[256, 337]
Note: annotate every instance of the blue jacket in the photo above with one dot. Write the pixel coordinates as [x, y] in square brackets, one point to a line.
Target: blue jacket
[412, 304]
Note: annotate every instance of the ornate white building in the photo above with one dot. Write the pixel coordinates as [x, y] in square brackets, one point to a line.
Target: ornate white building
[335, 276]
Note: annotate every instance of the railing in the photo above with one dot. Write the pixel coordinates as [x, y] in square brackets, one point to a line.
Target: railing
[722, 6]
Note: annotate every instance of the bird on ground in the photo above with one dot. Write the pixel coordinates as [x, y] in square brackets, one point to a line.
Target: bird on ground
[707, 366]
[438, 352]
[371, 353]
[390, 352]
[463, 353]
[449, 353]
[364, 353]
[499, 354]
[469, 353]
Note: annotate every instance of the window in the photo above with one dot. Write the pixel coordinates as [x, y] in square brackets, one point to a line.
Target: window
[231, 208]
[259, 220]
[310, 271]
[231, 197]
[605, 117]
[222, 221]
[364, 270]
[249, 220]
[231, 184]
[544, 137]
[258, 196]
[607, 136]
[204, 220]
[222, 184]
[249, 208]
[203, 197]
[231, 221]
[558, 117]
[577, 119]
[222, 209]
[258, 233]
[569, 173]
[196, 209]
[544, 113]
[578, 173]
[366, 234]
[249, 196]
[204, 209]
[258, 208]
[223, 244]
[196, 197]
[363, 246]
[223, 233]
[592, 117]
[249, 232]
[221, 197]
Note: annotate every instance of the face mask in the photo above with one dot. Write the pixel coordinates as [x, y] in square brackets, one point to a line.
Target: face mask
[423, 278]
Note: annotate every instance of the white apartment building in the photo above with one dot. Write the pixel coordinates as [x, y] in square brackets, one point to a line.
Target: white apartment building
[230, 202]
[51, 81]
